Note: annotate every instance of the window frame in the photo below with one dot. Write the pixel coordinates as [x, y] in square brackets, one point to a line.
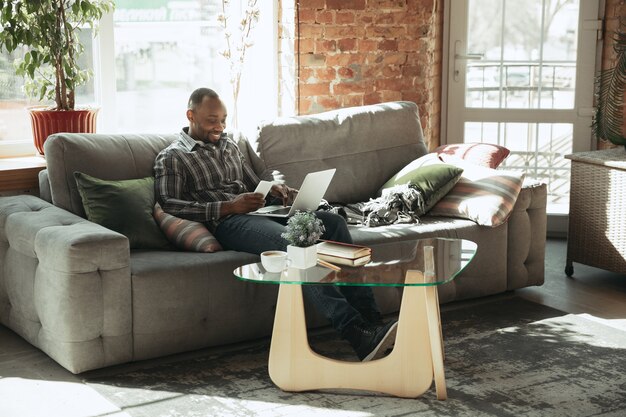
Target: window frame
[104, 79]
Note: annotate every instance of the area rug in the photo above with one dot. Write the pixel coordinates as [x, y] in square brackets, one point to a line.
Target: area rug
[509, 357]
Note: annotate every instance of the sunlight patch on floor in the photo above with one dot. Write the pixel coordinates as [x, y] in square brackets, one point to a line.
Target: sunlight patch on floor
[36, 398]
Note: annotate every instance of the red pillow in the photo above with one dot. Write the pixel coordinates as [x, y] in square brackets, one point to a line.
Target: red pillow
[483, 154]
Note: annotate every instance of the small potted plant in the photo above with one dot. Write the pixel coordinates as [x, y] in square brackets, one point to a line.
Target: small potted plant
[47, 33]
[303, 230]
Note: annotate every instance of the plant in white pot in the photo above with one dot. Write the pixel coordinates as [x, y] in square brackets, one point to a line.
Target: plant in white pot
[47, 32]
[303, 230]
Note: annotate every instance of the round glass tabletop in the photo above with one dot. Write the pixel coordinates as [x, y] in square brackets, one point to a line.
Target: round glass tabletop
[439, 259]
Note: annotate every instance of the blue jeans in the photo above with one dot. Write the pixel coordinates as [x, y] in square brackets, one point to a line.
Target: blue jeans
[255, 234]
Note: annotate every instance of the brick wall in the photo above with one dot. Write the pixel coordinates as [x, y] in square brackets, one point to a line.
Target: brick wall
[356, 52]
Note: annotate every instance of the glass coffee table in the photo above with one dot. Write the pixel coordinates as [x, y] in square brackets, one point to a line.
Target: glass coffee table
[417, 357]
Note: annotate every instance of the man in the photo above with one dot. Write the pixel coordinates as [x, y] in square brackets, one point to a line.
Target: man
[204, 177]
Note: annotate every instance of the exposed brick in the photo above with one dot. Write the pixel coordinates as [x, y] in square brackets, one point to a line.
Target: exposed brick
[372, 71]
[328, 102]
[325, 74]
[345, 72]
[345, 4]
[387, 4]
[352, 100]
[306, 74]
[307, 16]
[324, 16]
[304, 105]
[346, 44]
[306, 46]
[403, 17]
[366, 45]
[375, 58]
[315, 89]
[312, 60]
[370, 51]
[325, 46]
[343, 60]
[388, 84]
[392, 71]
[347, 88]
[311, 31]
[424, 30]
[411, 70]
[408, 45]
[398, 58]
[388, 45]
[372, 98]
[312, 4]
[411, 96]
[367, 18]
[341, 32]
[385, 31]
[390, 95]
[384, 19]
[343, 17]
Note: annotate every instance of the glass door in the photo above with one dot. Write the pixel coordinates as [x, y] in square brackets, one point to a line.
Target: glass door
[520, 74]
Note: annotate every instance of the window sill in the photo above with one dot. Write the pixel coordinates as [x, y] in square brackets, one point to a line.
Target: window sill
[20, 173]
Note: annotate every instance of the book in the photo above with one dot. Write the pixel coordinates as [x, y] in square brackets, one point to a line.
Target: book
[345, 261]
[342, 250]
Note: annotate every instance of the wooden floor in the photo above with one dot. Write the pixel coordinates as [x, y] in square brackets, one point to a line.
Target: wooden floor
[590, 290]
[30, 376]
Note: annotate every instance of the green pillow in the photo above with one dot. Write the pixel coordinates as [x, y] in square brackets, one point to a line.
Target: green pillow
[431, 176]
[123, 206]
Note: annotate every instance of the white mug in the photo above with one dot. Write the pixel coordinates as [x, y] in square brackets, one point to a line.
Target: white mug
[274, 260]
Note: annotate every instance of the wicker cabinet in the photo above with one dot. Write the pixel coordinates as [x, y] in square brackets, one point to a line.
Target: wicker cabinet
[597, 218]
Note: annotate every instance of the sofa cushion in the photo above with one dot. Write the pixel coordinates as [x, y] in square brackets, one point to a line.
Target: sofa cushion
[186, 234]
[433, 178]
[367, 145]
[485, 154]
[110, 157]
[483, 195]
[123, 206]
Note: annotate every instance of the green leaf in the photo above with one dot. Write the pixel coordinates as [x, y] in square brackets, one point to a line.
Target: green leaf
[42, 92]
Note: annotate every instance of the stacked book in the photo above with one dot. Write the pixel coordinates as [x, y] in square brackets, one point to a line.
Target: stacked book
[343, 253]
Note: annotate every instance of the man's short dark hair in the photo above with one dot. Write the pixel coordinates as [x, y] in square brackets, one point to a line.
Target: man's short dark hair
[198, 95]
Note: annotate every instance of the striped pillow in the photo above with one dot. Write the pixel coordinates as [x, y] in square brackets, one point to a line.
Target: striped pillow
[483, 195]
[483, 154]
[185, 234]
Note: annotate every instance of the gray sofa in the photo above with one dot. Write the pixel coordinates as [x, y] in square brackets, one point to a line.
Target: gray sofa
[73, 288]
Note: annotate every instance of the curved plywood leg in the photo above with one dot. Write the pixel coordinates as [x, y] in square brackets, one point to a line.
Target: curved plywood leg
[406, 372]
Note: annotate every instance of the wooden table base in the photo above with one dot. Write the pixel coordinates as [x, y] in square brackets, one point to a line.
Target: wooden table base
[406, 372]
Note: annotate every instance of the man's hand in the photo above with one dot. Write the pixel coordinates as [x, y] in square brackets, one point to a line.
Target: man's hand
[285, 193]
[243, 203]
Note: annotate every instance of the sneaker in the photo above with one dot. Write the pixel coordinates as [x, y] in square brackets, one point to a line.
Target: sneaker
[372, 342]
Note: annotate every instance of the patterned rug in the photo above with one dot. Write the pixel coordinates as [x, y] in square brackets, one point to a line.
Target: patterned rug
[508, 357]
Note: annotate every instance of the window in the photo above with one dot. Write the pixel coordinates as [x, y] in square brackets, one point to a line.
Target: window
[148, 58]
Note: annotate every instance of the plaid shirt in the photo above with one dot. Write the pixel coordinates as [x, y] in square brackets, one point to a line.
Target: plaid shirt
[192, 178]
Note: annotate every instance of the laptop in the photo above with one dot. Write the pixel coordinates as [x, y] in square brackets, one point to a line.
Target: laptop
[309, 196]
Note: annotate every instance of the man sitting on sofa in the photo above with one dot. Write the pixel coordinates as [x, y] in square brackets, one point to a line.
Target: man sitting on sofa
[204, 177]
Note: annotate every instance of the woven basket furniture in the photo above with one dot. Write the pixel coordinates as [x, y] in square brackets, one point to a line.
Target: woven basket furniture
[597, 218]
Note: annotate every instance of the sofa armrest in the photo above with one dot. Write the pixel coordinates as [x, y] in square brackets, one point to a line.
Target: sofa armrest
[65, 284]
[526, 237]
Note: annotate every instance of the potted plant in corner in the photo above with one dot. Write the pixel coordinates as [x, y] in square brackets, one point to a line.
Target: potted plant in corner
[303, 230]
[609, 121]
[47, 31]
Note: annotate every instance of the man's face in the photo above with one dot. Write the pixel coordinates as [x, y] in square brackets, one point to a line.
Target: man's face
[208, 120]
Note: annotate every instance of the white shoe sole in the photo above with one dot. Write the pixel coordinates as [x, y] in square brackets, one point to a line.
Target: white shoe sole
[385, 344]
